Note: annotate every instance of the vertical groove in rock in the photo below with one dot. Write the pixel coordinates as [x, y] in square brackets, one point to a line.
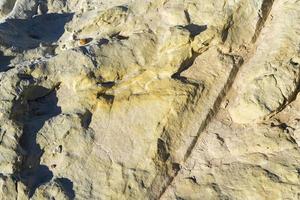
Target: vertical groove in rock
[238, 61]
[266, 8]
[219, 100]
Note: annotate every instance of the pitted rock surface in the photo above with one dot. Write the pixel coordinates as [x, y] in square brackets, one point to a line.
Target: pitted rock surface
[156, 99]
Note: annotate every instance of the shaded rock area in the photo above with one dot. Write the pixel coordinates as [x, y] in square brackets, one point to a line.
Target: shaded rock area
[156, 99]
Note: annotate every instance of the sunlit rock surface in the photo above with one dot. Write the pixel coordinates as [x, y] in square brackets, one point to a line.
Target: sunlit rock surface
[156, 99]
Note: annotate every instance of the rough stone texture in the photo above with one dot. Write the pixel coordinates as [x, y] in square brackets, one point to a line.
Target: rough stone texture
[271, 80]
[10, 189]
[51, 190]
[156, 99]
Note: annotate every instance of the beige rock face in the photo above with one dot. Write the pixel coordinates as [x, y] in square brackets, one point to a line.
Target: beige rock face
[6, 7]
[53, 189]
[272, 81]
[157, 99]
[11, 189]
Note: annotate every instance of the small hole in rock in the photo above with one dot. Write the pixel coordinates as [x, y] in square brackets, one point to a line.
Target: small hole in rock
[59, 148]
[176, 167]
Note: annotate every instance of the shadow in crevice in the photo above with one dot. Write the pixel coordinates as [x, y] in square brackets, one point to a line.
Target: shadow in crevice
[118, 36]
[67, 186]
[184, 66]
[36, 105]
[86, 119]
[4, 62]
[195, 29]
[26, 34]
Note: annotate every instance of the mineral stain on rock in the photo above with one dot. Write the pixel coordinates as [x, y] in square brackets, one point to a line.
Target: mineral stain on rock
[157, 99]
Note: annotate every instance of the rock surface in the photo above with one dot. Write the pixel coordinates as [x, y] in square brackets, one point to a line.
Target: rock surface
[159, 99]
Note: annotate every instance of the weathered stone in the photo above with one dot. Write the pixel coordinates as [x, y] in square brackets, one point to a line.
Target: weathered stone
[51, 190]
[270, 78]
[156, 99]
[11, 189]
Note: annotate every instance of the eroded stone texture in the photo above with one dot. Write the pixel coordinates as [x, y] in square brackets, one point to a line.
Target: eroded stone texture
[6, 7]
[11, 189]
[160, 99]
[271, 80]
[51, 190]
